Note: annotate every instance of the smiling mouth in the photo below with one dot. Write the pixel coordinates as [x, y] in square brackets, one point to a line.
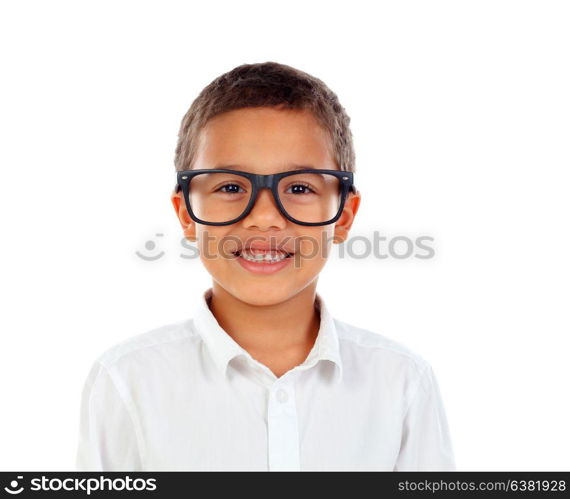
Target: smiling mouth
[262, 256]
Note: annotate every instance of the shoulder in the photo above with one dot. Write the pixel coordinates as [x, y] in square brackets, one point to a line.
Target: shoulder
[141, 364]
[158, 342]
[378, 349]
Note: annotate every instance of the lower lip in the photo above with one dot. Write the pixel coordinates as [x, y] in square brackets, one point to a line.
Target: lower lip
[264, 267]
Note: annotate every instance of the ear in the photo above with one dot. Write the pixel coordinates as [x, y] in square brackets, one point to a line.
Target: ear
[188, 225]
[344, 223]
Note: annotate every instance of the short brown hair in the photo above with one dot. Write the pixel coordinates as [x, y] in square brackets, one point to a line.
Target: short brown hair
[268, 84]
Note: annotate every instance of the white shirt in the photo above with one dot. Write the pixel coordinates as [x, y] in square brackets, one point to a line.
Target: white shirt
[187, 397]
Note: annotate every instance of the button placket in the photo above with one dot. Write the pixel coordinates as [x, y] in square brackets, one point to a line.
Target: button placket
[282, 428]
[281, 395]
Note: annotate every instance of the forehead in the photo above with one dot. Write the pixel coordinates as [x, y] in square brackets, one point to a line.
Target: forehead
[264, 139]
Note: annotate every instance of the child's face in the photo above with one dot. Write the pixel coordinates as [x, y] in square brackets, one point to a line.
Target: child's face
[265, 140]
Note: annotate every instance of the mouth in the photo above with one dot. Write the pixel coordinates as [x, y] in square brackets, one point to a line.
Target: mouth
[256, 255]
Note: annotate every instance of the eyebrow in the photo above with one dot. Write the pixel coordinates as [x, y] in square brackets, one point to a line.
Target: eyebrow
[293, 166]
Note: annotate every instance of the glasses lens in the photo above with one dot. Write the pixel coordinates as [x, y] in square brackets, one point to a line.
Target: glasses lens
[310, 197]
[219, 197]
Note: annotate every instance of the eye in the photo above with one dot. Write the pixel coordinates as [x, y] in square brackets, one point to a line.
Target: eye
[300, 188]
[230, 189]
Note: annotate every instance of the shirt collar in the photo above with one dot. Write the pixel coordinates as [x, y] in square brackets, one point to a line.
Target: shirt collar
[223, 348]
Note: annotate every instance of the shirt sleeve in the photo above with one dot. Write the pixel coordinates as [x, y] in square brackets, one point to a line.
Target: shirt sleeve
[426, 441]
[107, 435]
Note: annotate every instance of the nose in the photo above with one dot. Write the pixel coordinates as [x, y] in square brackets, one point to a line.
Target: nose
[265, 213]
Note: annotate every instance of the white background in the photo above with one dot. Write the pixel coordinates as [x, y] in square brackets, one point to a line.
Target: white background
[461, 120]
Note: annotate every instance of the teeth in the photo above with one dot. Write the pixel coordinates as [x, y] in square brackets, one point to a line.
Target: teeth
[263, 256]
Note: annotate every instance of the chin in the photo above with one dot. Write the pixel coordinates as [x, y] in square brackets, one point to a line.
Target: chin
[262, 293]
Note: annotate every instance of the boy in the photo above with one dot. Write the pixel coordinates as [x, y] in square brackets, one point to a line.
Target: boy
[262, 377]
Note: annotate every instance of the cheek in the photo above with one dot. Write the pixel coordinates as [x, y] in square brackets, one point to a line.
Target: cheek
[215, 246]
[313, 247]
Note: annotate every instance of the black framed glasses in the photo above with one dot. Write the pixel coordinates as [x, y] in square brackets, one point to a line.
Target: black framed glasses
[305, 197]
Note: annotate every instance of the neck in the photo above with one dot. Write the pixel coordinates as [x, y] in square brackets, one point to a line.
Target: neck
[270, 329]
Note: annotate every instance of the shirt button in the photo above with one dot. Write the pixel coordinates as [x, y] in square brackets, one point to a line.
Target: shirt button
[282, 396]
